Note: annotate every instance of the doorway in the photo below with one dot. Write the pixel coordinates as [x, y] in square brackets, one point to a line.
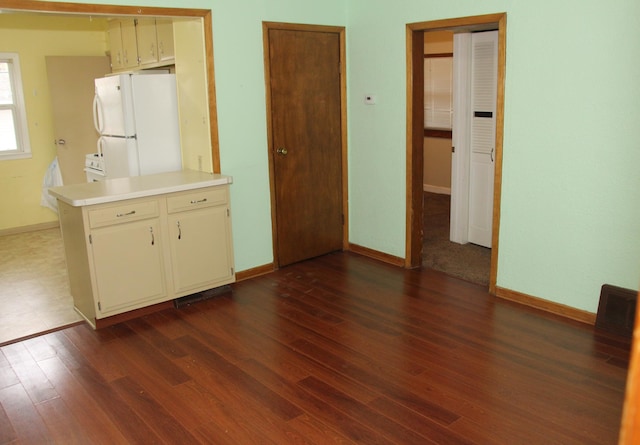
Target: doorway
[201, 20]
[305, 111]
[415, 122]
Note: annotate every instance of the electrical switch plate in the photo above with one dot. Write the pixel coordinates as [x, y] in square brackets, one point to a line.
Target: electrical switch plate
[370, 99]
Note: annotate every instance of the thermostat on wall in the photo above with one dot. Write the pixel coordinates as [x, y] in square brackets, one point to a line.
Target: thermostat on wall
[370, 99]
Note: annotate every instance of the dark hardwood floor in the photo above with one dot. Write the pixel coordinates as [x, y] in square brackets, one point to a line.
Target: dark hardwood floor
[339, 349]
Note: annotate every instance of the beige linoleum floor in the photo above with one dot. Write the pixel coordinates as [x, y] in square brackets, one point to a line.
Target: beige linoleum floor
[34, 289]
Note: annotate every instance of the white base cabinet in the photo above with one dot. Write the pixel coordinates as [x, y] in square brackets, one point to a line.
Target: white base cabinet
[133, 253]
[199, 239]
[128, 265]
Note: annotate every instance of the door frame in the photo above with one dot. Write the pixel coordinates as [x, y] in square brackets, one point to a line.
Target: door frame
[415, 132]
[340, 30]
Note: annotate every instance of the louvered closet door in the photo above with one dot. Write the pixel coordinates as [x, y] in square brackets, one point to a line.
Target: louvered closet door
[484, 71]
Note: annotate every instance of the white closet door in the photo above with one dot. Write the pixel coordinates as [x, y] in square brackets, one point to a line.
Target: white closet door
[484, 69]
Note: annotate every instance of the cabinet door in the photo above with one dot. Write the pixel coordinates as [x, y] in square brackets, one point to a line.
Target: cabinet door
[147, 43]
[201, 253]
[129, 43]
[164, 32]
[115, 45]
[128, 266]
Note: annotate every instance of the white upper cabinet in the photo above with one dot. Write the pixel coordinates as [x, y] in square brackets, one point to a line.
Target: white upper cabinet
[140, 43]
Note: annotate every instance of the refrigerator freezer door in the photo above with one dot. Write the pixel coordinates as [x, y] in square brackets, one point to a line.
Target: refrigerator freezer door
[113, 106]
[120, 157]
[155, 106]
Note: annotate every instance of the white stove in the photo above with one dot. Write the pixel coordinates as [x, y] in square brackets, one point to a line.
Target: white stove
[94, 167]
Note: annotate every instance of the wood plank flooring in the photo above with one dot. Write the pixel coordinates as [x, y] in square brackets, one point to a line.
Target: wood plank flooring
[339, 349]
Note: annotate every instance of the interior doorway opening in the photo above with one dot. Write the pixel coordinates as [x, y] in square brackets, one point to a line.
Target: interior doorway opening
[415, 130]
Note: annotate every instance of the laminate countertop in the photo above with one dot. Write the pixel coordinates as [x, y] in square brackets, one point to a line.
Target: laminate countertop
[111, 190]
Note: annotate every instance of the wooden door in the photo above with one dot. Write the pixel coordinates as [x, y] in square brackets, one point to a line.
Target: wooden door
[306, 142]
[71, 85]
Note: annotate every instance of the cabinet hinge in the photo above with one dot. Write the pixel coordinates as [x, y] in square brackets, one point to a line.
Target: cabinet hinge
[99, 306]
[90, 239]
[228, 213]
[232, 271]
[342, 219]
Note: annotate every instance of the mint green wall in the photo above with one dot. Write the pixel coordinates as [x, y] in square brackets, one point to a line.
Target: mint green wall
[571, 187]
[571, 180]
[572, 177]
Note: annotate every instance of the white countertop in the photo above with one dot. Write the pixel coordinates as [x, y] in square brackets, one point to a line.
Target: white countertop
[111, 190]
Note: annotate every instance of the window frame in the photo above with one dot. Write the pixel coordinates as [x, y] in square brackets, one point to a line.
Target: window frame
[21, 129]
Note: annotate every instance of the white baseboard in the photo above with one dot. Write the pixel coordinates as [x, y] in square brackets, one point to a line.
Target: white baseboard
[436, 189]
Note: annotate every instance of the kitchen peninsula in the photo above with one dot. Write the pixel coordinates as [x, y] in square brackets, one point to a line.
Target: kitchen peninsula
[134, 242]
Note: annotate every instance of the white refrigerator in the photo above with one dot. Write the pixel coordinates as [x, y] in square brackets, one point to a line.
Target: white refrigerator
[136, 116]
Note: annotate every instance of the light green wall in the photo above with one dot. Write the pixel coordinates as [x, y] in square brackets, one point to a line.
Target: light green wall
[571, 186]
[33, 38]
[572, 151]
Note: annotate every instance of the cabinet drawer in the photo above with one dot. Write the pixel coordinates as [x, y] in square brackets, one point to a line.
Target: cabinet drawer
[123, 212]
[205, 197]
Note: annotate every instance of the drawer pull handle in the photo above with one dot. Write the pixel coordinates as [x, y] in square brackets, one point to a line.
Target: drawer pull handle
[120, 215]
[179, 230]
[198, 201]
[153, 238]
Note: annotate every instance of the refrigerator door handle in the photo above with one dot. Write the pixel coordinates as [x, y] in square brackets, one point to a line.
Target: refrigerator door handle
[97, 114]
[100, 143]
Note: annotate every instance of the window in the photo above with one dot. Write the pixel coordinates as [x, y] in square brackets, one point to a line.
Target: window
[438, 97]
[14, 137]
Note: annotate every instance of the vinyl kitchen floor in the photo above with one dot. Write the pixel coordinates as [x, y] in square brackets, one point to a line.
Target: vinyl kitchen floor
[34, 289]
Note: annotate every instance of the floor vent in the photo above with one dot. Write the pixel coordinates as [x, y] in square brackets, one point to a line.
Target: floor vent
[616, 310]
[194, 298]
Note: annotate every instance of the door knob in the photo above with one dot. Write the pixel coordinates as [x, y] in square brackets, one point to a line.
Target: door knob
[282, 151]
[61, 142]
